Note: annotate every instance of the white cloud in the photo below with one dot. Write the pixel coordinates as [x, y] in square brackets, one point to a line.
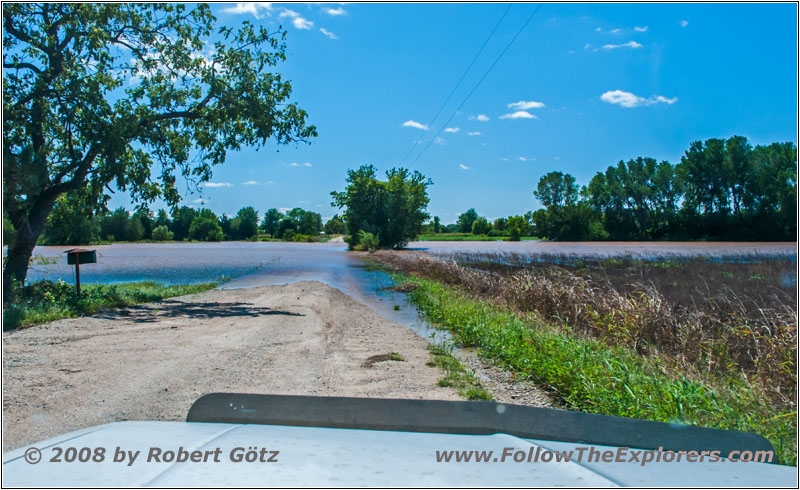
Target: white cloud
[302, 23]
[451, 130]
[519, 115]
[200, 201]
[640, 29]
[270, 182]
[684, 23]
[328, 33]
[661, 98]
[297, 21]
[257, 9]
[523, 159]
[414, 124]
[464, 167]
[295, 164]
[284, 210]
[615, 31]
[250, 182]
[336, 11]
[474, 133]
[504, 159]
[629, 44]
[217, 184]
[619, 97]
[524, 105]
[440, 141]
[304, 202]
[598, 29]
[627, 99]
[479, 117]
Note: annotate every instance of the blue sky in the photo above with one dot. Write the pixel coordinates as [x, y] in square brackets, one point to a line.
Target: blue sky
[583, 86]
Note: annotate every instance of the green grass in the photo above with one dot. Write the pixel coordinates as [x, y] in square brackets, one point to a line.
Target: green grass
[464, 237]
[47, 301]
[589, 375]
[465, 383]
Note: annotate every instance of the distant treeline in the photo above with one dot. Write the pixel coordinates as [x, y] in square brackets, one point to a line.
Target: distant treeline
[71, 224]
[720, 190]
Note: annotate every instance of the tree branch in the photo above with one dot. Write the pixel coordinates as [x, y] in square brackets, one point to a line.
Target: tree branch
[8, 24]
[21, 65]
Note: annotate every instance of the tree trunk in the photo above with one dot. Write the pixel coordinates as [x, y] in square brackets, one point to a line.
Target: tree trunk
[21, 250]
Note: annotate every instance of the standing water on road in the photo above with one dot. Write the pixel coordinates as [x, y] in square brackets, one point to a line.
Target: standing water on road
[246, 264]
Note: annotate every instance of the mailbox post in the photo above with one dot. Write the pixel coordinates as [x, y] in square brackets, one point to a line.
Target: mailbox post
[80, 256]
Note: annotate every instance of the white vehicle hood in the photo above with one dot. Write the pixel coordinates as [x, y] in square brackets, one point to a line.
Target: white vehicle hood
[318, 456]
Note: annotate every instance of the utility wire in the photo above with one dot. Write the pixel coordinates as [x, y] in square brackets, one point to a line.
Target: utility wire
[457, 84]
[478, 84]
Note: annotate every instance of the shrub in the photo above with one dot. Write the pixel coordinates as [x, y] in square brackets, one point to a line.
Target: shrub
[205, 229]
[481, 226]
[366, 241]
[516, 227]
[162, 234]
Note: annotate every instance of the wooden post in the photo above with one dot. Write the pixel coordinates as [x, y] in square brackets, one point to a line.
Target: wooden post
[78, 275]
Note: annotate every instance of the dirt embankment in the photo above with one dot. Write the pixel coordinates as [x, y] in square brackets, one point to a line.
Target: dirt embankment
[151, 362]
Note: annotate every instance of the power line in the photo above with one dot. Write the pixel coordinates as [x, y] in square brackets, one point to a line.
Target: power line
[457, 84]
[477, 84]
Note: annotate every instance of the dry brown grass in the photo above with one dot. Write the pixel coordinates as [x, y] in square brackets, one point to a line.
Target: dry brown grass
[707, 317]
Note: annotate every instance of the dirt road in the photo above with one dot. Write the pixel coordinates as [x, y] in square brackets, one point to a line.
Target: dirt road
[151, 362]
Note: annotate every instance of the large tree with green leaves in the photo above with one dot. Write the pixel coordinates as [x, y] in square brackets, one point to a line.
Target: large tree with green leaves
[130, 95]
[247, 226]
[638, 198]
[271, 220]
[466, 219]
[392, 210]
[556, 189]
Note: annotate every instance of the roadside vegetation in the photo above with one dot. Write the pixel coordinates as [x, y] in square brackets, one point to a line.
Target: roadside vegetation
[464, 382]
[46, 301]
[711, 344]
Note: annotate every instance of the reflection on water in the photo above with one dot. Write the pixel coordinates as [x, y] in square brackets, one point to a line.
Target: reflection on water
[267, 263]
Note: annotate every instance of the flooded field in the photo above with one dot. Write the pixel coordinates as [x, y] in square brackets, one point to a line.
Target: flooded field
[249, 264]
[264, 263]
[636, 250]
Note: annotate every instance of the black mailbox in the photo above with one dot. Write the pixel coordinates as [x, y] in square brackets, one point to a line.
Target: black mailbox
[78, 256]
[81, 256]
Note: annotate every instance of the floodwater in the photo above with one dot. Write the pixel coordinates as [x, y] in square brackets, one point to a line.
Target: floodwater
[246, 264]
[249, 264]
[639, 250]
